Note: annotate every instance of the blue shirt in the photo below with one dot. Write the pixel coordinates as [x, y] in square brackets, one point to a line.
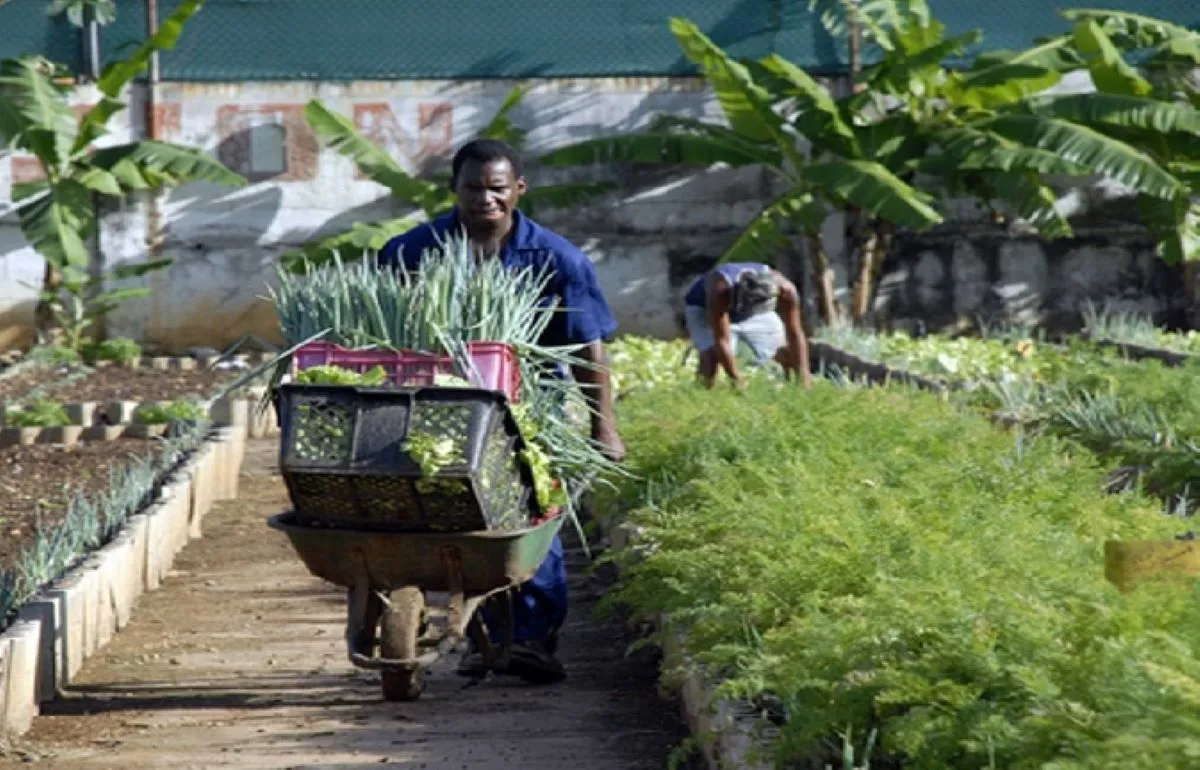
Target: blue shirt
[582, 315]
[697, 296]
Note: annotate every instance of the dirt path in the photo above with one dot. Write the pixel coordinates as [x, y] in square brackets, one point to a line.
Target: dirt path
[238, 661]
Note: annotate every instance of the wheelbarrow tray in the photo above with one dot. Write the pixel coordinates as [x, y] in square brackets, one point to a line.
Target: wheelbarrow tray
[491, 560]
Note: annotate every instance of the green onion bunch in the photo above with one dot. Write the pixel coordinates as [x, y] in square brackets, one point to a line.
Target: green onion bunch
[454, 299]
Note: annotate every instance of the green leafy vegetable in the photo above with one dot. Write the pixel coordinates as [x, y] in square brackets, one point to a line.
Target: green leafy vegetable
[336, 375]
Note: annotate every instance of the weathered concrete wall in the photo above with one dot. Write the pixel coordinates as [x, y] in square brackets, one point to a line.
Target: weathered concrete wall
[648, 239]
[225, 243]
[973, 269]
[947, 278]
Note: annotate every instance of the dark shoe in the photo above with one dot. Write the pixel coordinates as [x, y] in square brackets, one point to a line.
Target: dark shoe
[532, 662]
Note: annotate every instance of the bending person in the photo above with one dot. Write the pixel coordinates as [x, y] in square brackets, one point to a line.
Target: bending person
[751, 303]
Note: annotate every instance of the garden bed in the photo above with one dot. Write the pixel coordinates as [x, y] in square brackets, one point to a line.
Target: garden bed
[79, 574]
[876, 560]
[142, 385]
[1140, 415]
[19, 382]
[1138, 352]
[37, 483]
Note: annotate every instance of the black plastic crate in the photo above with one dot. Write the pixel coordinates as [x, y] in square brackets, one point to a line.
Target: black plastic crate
[343, 458]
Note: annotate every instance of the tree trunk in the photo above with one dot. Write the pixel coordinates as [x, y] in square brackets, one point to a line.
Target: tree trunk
[870, 266]
[855, 41]
[43, 314]
[823, 280]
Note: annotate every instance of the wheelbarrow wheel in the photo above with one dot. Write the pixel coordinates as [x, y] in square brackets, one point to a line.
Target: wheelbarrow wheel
[401, 627]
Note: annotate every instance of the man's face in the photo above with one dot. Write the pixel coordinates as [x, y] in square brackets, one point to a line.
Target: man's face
[488, 193]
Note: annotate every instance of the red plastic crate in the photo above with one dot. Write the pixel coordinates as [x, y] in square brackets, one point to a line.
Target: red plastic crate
[495, 364]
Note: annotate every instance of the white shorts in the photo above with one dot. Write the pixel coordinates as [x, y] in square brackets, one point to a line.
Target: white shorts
[762, 333]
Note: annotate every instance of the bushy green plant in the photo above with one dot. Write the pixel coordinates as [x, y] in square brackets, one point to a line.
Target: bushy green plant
[642, 363]
[877, 560]
[172, 411]
[1140, 415]
[53, 355]
[39, 414]
[118, 350]
[964, 359]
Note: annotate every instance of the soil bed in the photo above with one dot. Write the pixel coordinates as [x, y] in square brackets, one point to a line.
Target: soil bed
[118, 384]
[36, 483]
[18, 385]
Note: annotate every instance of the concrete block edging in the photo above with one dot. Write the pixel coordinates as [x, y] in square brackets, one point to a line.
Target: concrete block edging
[92, 421]
[729, 739]
[72, 618]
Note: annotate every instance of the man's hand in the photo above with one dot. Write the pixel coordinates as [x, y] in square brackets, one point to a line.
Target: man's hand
[610, 443]
[790, 360]
[596, 387]
[794, 355]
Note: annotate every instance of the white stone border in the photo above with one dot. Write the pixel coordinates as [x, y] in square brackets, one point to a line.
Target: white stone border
[76, 615]
[729, 739]
[91, 421]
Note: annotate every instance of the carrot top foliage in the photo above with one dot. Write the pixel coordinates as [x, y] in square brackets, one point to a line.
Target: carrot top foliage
[873, 559]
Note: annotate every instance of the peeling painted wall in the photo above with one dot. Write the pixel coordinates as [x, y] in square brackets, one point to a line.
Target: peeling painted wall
[648, 239]
[225, 243]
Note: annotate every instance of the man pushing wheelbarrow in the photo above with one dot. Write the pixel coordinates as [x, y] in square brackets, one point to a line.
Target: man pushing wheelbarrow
[425, 440]
[488, 182]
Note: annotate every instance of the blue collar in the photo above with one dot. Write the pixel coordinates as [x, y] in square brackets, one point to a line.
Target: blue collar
[524, 233]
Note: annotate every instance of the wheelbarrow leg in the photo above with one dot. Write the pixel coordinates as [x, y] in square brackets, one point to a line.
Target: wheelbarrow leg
[364, 610]
[401, 628]
[401, 616]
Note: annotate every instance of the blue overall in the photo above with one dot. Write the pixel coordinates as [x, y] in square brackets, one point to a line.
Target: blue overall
[541, 606]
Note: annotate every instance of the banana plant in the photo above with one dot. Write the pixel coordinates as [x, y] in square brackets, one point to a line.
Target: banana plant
[772, 107]
[1153, 106]
[82, 299]
[58, 213]
[993, 132]
[915, 130]
[432, 197]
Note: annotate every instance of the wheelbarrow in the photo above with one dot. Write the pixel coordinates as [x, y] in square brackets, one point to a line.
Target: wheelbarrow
[387, 575]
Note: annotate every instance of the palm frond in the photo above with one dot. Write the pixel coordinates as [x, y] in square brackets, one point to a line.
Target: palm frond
[1088, 148]
[36, 115]
[820, 119]
[1130, 112]
[57, 223]
[970, 149]
[165, 163]
[763, 239]
[360, 240]
[1175, 225]
[501, 126]
[660, 147]
[876, 190]
[117, 74]
[1033, 200]
[1137, 31]
[746, 103]
[339, 133]
[1108, 68]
